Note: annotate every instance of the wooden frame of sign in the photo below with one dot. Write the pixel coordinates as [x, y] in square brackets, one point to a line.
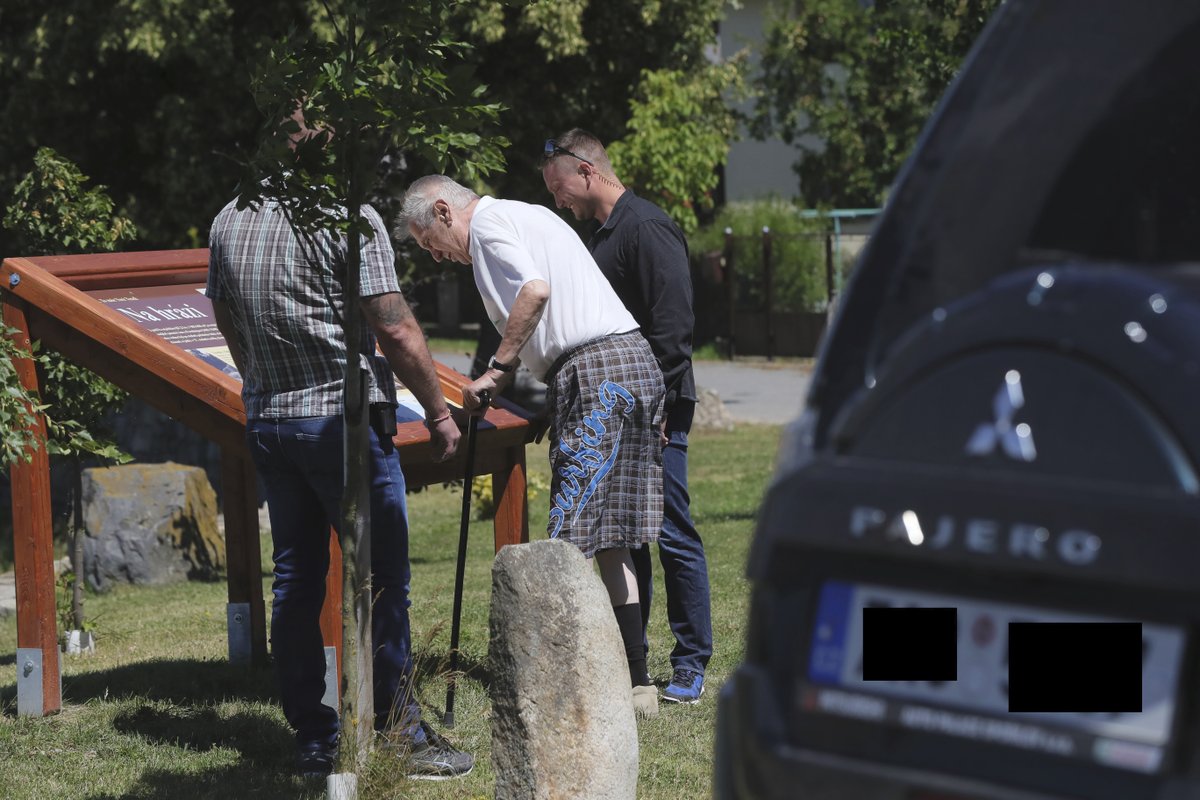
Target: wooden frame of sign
[55, 300]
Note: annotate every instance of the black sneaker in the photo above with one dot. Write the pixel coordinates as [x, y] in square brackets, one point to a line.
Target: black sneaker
[435, 759]
[316, 760]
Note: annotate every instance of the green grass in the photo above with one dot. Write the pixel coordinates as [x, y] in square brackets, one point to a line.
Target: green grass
[708, 352]
[440, 345]
[158, 712]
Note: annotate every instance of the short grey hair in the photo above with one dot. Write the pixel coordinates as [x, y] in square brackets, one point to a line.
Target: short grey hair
[417, 207]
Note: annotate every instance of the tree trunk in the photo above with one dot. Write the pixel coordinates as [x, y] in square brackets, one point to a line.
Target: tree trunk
[358, 706]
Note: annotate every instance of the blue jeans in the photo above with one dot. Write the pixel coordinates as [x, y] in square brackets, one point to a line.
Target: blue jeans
[300, 461]
[681, 553]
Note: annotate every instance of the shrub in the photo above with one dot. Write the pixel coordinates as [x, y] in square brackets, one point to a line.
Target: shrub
[484, 502]
[797, 253]
[54, 212]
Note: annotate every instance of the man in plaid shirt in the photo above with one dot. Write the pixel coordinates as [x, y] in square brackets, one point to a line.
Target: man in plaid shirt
[279, 303]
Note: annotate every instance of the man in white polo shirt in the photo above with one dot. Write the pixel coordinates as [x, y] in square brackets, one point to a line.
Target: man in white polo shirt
[558, 315]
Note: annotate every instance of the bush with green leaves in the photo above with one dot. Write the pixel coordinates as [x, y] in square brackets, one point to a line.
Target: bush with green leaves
[797, 253]
[53, 212]
[852, 84]
[680, 128]
[17, 408]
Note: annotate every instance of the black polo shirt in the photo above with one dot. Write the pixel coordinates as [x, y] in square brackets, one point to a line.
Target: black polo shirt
[644, 255]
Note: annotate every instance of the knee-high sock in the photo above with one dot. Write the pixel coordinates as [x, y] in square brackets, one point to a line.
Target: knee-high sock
[629, 620]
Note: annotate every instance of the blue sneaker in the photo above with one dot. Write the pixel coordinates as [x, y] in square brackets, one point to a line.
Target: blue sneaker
[686, 687]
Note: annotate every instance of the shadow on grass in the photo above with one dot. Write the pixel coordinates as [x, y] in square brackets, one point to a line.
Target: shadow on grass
[238, 781]
[182, 681]
[437, 664]
[263, 742]
[176, 704]
[195, 682]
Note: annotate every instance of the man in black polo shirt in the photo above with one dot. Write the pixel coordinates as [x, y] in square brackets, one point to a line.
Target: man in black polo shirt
[644, 256]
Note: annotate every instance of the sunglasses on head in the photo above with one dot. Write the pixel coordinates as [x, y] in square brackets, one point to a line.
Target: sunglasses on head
[551, 149]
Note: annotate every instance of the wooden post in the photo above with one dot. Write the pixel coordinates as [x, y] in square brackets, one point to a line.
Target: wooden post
[247, 636]
[730, 291]
[33, 550]
[331, 619]
[768, 299]
[511, 525]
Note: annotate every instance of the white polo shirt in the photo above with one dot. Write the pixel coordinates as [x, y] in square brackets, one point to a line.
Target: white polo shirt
[513, 243]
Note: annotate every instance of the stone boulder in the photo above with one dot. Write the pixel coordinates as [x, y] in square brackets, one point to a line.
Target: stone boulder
[150, 524]
[711, 413]
[562, 706]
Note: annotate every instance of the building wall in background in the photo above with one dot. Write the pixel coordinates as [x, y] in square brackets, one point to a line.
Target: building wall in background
[755, 169]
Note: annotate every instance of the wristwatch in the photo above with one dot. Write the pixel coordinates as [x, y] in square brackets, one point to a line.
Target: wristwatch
[500, 365]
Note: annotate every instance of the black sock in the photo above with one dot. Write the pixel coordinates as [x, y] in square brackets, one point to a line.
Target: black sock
[629, 620]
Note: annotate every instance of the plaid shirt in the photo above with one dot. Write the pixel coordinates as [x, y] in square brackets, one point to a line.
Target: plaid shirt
[287, 309]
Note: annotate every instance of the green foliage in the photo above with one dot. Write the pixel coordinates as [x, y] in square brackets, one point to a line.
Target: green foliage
[600, 65]
[483, 501]
[381, 76]
[558, 25]
[64, 611]
[797, 252]
[148, 96]
[633, 72]
[854, 85]
[53, 212]
[78, 401]
[144, 94]
[17, 408]
[680, 129]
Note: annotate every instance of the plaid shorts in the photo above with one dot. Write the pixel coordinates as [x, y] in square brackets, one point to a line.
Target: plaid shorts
[606, 398]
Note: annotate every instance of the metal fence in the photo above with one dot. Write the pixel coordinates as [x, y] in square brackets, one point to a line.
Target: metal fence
[770, 293]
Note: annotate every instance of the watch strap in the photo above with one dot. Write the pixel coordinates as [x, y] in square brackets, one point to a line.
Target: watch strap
[500, 365]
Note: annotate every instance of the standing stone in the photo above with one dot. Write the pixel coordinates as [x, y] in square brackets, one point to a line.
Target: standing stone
[711, 413]
[562, 706]
[149, 524]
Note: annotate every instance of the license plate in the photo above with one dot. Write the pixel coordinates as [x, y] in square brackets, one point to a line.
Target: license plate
[981, 688]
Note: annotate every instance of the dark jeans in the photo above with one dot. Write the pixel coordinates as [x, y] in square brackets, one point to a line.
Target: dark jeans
[300, 461]
[681, 553]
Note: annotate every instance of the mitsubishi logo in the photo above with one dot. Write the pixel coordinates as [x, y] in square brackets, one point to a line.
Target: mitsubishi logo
[1015, 440]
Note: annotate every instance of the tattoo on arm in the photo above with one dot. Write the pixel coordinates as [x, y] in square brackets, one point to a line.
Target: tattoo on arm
[386, 310]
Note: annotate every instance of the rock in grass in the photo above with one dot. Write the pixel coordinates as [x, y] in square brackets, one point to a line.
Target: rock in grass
[711, 413]
[150, 524]
[562, 706]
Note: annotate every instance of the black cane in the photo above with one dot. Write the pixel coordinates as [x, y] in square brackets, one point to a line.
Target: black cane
[468, 477]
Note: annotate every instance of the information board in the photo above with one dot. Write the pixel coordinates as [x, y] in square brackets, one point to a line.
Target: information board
[142, 321]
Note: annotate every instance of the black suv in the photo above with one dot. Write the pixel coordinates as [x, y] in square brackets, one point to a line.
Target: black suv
[1004, 421]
